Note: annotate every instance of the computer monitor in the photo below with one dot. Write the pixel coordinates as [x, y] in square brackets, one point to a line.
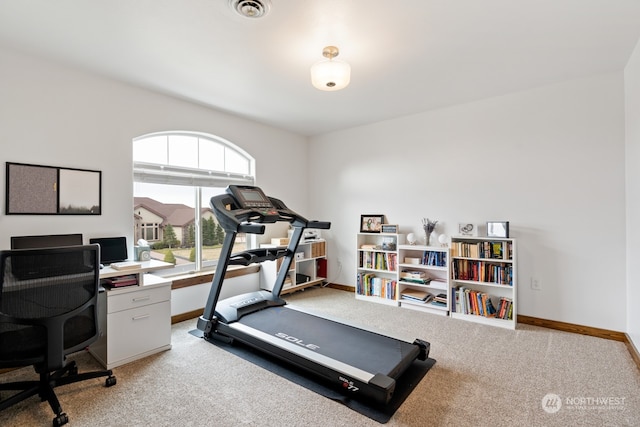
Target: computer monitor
[45, 241]
[62, 261]
[112, 249]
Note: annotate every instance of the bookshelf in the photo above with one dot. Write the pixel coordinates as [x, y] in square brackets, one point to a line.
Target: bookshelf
[309, 267]
[423, 278]
[377, 267]
[483, 284]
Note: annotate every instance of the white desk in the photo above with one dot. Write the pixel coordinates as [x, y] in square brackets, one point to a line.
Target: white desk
[135, 321]
[145, 267]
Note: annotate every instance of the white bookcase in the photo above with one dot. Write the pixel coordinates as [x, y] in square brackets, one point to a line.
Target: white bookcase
[377, 267]
[484, 269]
[423, 278]
[309, 267]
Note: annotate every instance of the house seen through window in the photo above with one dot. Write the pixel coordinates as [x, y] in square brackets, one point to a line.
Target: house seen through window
[175, 176]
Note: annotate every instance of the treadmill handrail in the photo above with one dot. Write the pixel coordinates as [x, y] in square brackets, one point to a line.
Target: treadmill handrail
[256, 256]
[321, 225]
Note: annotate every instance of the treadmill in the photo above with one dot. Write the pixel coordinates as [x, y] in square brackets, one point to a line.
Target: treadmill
[362, 363]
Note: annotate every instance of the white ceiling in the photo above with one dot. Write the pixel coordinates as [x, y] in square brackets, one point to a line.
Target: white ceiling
[406, 56]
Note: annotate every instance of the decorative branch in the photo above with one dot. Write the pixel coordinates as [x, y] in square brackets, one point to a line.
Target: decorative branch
[428, 225]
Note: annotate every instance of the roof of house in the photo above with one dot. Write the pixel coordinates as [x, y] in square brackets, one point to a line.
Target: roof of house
[176, 214]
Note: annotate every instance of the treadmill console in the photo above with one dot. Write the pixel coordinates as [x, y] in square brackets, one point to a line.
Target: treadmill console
[249, 197]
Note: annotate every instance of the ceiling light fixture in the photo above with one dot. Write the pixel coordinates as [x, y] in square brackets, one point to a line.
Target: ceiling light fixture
[330, 74]
[251, 8]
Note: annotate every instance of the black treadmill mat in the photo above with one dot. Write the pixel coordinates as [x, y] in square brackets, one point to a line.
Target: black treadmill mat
[356, 347]
[405, 384]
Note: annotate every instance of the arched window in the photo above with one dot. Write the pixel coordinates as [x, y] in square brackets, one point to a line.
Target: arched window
[175, 174]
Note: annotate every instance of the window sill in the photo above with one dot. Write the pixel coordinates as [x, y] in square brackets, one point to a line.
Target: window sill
[193, 279]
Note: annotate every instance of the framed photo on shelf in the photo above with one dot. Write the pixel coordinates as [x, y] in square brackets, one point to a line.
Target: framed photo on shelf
[371, 223]
[467, 229]
[498, 229]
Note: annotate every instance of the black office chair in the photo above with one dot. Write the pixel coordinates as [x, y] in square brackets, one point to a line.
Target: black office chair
[48, 310]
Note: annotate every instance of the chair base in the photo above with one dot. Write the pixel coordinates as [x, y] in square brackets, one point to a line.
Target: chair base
[44, 388]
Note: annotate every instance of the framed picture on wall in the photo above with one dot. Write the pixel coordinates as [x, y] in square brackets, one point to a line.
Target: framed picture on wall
[371, 223]
[51, 190]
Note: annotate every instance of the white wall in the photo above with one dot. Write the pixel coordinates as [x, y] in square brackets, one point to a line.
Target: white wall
[191, 298]
[549, 160]
[60, 116]
[632, 110]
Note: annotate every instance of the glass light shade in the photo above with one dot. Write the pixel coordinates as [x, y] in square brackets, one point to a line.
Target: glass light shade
[330, 75]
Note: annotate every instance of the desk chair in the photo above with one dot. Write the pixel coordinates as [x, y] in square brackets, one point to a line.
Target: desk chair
[48, 303]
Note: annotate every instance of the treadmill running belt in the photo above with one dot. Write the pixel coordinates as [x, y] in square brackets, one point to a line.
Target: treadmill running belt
[360, 348]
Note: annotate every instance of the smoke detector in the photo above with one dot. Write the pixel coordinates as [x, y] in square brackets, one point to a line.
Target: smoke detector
[251, 8]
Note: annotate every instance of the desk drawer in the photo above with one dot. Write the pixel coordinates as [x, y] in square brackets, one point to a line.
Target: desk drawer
[138, 331]
[129, 298]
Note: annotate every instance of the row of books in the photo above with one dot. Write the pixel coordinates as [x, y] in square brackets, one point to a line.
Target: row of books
[485, 249]
[121, 281]
[469, 301]
[435, 258]
[482, 271]
[379, 260]
[369, 284]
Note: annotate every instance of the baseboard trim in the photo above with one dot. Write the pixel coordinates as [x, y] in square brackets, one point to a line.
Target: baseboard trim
[635, 354]
[187, 316]
[341, 287]
[571, 327]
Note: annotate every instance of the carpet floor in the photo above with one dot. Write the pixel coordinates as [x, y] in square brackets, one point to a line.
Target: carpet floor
[483, 376]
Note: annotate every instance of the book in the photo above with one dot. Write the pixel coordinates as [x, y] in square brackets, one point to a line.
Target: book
[418, 277]
[125, 265]
[120, 281]
[416, 295]
[440, 300]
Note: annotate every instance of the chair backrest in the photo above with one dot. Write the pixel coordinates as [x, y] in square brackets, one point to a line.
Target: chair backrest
[48, 304]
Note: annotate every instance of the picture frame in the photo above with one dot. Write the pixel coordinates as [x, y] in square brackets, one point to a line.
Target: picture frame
[389, 228]
[467, 229]
[51, 190]
[371, 223]
[498, 229]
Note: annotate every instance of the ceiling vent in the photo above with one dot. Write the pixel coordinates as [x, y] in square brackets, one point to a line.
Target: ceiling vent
[251, 8]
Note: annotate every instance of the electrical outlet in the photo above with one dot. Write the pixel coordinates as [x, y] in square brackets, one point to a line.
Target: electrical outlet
[535, 284]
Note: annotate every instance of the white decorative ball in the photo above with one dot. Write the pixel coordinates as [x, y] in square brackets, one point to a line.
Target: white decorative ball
[443, 238]
[411, 238]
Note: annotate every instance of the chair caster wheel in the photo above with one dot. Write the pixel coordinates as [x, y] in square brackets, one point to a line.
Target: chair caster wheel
[110, 381]
[60, 420]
